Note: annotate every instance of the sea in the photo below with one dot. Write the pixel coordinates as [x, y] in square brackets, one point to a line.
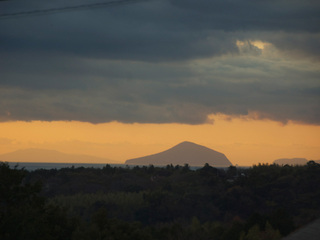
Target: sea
[32, 166]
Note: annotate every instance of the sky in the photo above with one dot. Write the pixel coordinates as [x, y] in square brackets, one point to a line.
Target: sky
[126, 80]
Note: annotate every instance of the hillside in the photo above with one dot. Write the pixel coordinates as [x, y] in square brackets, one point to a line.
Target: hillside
[184, 153]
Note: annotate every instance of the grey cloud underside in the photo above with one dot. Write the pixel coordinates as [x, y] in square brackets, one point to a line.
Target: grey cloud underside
[140, 62]
[177, 93]
[98, 109]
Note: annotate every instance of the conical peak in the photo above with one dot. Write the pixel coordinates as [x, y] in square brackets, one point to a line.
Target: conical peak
[184, 152]
[185, 143]
[189, 145]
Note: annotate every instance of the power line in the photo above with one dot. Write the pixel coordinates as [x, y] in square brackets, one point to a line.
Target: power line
[68, 8]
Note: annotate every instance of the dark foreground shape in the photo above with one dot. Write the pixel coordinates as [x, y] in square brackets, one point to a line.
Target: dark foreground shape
[310, 232]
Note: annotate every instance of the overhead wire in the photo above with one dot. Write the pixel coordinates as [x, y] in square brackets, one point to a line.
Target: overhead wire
[68, 8]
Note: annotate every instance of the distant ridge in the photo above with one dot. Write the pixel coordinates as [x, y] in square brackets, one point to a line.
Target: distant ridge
[45, 155]
[184, 153]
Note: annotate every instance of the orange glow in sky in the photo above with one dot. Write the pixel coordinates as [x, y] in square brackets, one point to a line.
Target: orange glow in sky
[243, 141]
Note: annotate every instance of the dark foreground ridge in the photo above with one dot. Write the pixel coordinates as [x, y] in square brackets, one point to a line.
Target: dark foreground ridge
[184, 153]
[265, 202]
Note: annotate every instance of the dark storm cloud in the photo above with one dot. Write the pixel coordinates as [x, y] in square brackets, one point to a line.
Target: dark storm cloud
[162, 61]
[256, 15]
[158, 30]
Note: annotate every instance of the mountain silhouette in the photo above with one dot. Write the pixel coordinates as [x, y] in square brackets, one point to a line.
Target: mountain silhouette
[184, 153]
[44, 155]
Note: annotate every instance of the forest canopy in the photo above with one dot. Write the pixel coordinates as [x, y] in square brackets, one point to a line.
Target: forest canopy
[148, 202]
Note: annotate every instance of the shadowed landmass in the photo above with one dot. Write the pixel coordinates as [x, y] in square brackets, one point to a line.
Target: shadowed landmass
[184, 153]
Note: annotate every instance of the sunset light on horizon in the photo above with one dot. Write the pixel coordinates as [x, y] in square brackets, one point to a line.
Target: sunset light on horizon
[245, 142]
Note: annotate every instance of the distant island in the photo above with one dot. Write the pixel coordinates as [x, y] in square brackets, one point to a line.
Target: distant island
[45, 155]
[184, 153]
[292, 161]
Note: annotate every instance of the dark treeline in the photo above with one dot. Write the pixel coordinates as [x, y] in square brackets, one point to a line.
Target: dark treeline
[172, 202]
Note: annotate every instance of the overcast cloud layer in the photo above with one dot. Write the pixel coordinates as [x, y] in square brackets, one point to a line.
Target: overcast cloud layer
[162, 61]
